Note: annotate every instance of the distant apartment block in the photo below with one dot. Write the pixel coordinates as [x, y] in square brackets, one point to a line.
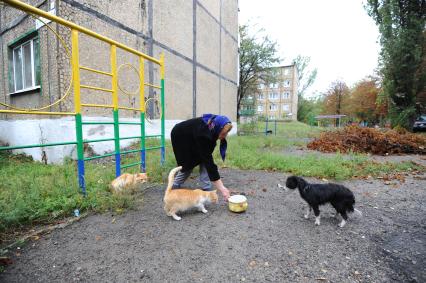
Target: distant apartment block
[275, 101]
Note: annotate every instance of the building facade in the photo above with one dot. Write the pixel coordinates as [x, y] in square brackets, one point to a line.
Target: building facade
[199, 39]
[279, 100]
[275, 101]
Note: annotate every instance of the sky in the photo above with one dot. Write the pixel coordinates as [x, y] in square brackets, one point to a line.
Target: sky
[338, 36]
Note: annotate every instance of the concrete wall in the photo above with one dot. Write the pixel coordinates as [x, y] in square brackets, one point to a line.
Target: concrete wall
[44, 131]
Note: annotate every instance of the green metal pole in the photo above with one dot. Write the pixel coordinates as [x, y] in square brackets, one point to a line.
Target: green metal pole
[35, 145]
[117, 144]
[143, 157]
[163, 126]
[80, 152]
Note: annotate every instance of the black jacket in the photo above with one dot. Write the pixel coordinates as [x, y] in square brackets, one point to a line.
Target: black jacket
[193, 143]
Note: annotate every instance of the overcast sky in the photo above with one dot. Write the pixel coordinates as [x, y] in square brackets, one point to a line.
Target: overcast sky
[338, 35]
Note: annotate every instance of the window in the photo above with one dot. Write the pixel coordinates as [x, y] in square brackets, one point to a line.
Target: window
[273, 107]
[286, 71]
[259, 108]
[286, 95]
[286, 107]
[273, 95]
[261, 86]
[287, 83]
[25, 65]
[260, 96]
[273, 85]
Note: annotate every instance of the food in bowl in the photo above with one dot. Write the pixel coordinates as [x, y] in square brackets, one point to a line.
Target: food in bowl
[237, 203]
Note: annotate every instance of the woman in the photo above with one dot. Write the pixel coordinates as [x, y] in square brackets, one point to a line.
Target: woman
[193, 144]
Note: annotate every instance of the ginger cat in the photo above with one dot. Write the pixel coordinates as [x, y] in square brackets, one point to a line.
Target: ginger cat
[127, 182]
[184, 199]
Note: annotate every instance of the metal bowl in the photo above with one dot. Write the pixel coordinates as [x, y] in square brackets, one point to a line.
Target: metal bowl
[237, 203]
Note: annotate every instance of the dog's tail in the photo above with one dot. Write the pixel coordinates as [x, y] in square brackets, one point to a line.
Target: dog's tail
[171, 178]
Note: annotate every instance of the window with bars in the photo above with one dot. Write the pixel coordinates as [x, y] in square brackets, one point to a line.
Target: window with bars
[24, 64]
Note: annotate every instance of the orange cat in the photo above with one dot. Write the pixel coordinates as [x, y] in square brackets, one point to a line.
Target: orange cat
[184, 199]
[127, 182]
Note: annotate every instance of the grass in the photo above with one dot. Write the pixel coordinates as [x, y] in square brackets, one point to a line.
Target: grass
[32, 192]
[289, 130]
[266, 154]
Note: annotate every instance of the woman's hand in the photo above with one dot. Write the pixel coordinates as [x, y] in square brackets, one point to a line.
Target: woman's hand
[225, 192]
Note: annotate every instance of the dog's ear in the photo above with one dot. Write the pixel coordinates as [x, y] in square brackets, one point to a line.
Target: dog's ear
[301, 183]
[292, 182]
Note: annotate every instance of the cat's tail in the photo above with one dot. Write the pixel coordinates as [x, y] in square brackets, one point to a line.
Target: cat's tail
[172, 178]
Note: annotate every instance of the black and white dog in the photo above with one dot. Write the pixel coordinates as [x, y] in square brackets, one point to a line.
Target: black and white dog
[340, 197]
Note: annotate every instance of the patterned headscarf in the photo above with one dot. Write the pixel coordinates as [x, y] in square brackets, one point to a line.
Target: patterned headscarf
[216, 124]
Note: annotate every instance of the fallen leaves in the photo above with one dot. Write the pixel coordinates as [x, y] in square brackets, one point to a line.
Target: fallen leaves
[369, 140]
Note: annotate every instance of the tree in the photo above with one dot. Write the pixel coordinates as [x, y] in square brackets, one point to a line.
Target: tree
[308, 109]
[306, 78]
[365, 103]
[336, 99]
[401, 24]
[257, 56]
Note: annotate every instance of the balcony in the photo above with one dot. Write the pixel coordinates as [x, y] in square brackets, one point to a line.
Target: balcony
[247, 112]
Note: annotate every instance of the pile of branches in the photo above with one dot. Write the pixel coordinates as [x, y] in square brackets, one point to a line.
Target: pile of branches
[369, 140]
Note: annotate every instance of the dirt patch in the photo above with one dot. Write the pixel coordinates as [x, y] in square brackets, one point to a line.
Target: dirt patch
[270, 242]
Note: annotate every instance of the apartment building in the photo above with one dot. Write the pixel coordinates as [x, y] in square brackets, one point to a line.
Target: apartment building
[278, 100]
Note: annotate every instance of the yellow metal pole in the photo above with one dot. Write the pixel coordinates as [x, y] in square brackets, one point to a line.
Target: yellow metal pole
[37, 112]
[75, 71]
[162, 66]
[154, 86]
[142, 84]
[114, 86]
[96, 88]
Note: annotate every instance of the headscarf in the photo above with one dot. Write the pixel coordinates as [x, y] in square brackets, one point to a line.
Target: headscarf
[216, 124]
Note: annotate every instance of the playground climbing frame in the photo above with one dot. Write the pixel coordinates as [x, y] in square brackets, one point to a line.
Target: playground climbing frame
[114, 91]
